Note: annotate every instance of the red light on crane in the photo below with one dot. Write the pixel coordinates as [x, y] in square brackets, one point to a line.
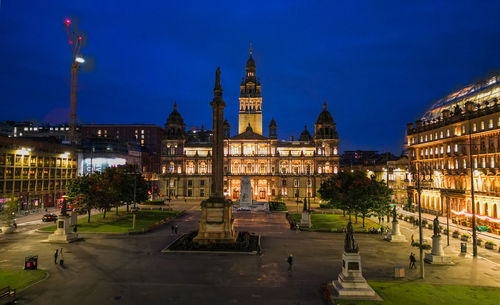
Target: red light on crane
[67, 22]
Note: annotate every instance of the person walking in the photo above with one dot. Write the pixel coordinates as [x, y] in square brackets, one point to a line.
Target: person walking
[290, 262]
[413, 260]
[61, 260]
[412, 240]
[55, 256]
[176, 229]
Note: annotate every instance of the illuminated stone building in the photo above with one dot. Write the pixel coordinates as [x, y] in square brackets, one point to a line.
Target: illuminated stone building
[439, 146]
[35, 172]
[276, 168]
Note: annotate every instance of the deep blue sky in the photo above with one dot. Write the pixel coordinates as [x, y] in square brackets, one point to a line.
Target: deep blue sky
[378, 64]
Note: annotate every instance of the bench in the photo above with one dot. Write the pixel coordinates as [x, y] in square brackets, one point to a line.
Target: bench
[7, 294]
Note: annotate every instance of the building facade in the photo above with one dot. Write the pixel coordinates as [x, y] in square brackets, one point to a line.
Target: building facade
[461, 127]
[277, 169]
[35, 172]
[147, 136]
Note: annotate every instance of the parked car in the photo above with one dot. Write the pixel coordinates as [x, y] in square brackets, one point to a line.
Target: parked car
[49, 217]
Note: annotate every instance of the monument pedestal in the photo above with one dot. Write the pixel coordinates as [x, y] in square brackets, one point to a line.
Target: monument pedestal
[396, 236]
[350, 283]
[63, 232]
[216, 223]
[305, 221]
[437, 257]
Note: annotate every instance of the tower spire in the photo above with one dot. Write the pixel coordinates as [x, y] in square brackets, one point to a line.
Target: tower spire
[251, 49]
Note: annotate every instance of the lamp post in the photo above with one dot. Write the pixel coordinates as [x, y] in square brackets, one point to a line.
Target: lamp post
[420, 231]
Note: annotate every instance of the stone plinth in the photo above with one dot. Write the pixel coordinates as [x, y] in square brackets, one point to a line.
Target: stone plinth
[216, 223]
[63, 232]
[305, 221]
[350, 283]
[437, 257]
[396, 236]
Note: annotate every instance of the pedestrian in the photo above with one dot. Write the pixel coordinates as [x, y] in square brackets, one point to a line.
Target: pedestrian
[412, 240]
[176, 229]
[55, 256]
[61, 260]
[412, 261]
[15, 224]
[290, 262]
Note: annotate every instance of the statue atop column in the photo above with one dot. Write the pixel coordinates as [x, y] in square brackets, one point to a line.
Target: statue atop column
[350, 245]
[217, 79]
[435, 226]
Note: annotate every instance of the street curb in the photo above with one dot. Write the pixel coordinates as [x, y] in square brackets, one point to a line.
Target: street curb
[47, 275]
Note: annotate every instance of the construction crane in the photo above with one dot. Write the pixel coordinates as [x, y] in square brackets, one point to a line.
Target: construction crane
[75, 42]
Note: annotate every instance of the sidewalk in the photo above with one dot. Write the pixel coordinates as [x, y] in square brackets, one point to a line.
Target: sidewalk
[461, 229]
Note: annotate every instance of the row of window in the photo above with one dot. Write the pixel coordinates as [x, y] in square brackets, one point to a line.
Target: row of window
[32, 173]
[457, 131]
[482, 162]
[27, 160]
[7, 187]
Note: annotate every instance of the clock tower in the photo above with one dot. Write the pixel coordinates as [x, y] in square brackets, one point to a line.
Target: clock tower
[250, 99]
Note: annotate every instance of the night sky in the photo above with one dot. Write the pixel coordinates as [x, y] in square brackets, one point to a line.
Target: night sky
[378, 64]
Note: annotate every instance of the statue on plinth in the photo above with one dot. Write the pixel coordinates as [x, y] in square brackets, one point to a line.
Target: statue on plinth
[305, 204]
[435, 226]
[350, 245]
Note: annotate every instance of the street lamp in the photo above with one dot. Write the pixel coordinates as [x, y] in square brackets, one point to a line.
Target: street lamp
[420, 231]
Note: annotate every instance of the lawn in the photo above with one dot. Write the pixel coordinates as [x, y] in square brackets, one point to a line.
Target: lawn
[335, 222]
[416, 293]
[118, 224]
[19, 279]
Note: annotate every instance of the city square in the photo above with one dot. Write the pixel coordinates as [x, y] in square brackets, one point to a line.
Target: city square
[381, 197]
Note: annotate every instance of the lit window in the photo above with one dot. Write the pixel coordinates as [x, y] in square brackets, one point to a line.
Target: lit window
[491, 123]
[465, 164]
[425, 138]
[421, 139]
[412, 140]
[441, 135]
[142, 131]
[474, 128]
[430, 136]
[456, 147]
[492, 162]
[448, 133]
[448, 149]
[442, 149]
[483, 162]
[426, 152]
[463, 128]
[475, 163]
[25, 128]
[456, 164]
[482, 125]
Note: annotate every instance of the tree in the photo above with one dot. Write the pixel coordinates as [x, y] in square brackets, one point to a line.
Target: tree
[8, 213]
[374, 198]
[341, 190]
[80, 191]
[354, 192]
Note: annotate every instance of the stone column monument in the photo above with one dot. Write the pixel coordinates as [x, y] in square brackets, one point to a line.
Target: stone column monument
[437, 256]
[396, 236]
[246, 192]
[306, 215]
[63, 232]
[216, 223]
[350, 283]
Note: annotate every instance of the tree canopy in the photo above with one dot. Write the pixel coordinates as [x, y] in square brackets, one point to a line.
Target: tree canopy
[355, 193]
